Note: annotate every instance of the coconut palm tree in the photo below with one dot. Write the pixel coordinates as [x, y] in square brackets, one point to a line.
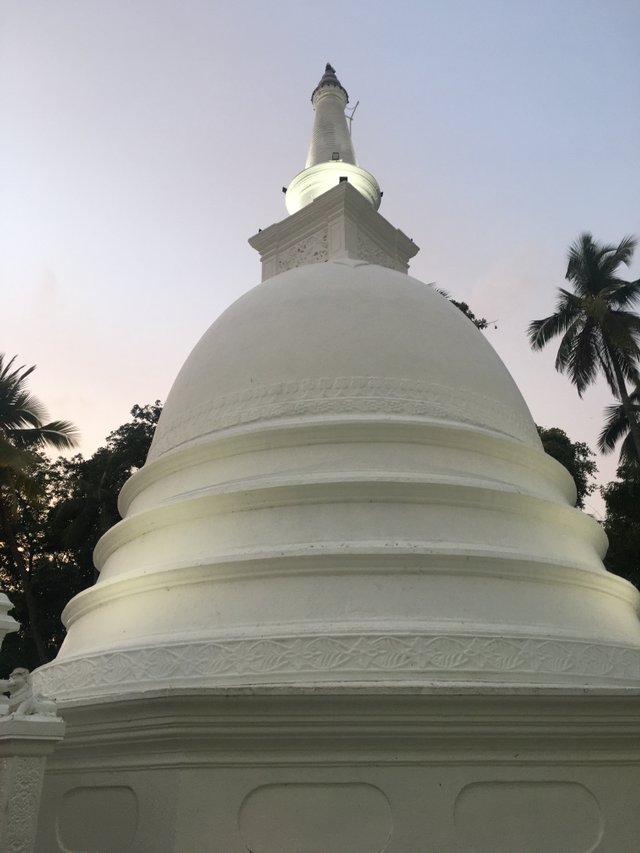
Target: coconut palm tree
[617, 427]
[599, 331]
[23, 431]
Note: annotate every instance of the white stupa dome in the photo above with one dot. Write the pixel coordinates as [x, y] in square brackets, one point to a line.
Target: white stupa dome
[346, 487]
[341, 338]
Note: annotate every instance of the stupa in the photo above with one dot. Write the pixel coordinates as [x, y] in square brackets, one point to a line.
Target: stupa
[350, 607]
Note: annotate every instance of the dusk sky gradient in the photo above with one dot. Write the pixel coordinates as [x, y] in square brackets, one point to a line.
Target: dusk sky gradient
[143, 142]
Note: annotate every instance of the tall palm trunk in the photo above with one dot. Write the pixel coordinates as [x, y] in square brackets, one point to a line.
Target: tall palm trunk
[23, 575]
[628, 407]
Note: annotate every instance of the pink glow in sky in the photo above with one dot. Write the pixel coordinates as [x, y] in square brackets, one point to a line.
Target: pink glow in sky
[142, 143]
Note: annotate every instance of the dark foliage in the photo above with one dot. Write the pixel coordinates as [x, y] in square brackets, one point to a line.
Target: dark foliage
[90, 506]
[57, 532]
[622, 524]
[576, 456]
[478, 322]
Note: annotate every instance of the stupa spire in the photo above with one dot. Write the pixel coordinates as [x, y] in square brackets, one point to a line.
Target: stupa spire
[331, 158]
[330, 138]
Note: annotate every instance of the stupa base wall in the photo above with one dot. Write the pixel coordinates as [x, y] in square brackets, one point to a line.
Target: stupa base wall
[348, 771]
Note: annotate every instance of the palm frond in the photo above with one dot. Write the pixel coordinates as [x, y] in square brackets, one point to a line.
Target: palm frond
[577, 255]
[23, 417]
[541, 331]
[19, 374]
[616, 426]
[567, 345]
[62, 435]
[582, 361]
[624, 294]
[608, 359]
[628, 454]
[621, 331]
[584, 268]
[623, 253]
[20, 409]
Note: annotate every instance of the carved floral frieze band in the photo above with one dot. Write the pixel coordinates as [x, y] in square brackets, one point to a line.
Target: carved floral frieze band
[346, 658]
[342, 395]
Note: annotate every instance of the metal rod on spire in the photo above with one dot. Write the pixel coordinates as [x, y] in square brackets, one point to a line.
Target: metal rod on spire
[351, 114]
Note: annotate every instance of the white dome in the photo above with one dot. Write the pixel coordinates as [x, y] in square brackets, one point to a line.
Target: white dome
[346, 487]
[341, 338]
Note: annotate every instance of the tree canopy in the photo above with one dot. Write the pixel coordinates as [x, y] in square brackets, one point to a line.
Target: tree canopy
[622, 523]
[577, 458]
[598, 330]
[56, 533]
[479, 322]
[24, 431]
[90, 506]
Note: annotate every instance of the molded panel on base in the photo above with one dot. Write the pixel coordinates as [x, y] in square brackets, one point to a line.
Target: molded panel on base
[530, 817]
[86, 819]
[312, 817]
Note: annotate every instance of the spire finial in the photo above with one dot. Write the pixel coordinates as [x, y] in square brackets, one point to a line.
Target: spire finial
[329, 79]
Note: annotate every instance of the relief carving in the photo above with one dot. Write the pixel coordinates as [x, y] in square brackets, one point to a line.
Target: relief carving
[20, 784]
[370, 251]
[343, 395]
[310, 250]
[413, 657]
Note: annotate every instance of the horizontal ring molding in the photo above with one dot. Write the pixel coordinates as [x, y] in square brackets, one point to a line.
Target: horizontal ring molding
[364, 558]
[351, 658]
[334, 430]
[335, 489]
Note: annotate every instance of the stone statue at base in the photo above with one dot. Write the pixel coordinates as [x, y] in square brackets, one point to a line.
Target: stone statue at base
[22, 701]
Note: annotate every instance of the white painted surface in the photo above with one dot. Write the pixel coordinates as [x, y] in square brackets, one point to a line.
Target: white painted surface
[331, 157]
[346, 486]
[25, 743]
[349, 591]
[340, 224]
[457, 771]
[311, 183]
[330, 136]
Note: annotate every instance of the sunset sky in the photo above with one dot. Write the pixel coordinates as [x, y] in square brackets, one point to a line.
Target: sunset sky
[143, 141]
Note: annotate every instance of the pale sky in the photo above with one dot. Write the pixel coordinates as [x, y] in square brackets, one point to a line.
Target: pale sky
[142, 142]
